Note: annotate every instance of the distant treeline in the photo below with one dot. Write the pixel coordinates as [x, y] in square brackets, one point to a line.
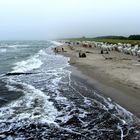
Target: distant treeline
[131, 37]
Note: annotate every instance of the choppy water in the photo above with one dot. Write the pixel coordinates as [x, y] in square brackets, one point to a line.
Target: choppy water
[52, 104]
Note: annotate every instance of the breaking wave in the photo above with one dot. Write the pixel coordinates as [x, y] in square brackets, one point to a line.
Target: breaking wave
[56, 43]
[3, 50]
[31, 63]
[28, 65]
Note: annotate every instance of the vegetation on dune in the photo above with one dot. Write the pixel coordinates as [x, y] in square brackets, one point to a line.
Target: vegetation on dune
[115, 41]
[132, 39]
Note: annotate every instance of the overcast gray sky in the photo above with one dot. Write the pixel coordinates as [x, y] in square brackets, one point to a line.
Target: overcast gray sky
[45, 19]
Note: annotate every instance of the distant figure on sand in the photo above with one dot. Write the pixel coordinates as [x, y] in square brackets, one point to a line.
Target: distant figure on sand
[102, 52]
[62, 49]
[82, 54]
[55, 50]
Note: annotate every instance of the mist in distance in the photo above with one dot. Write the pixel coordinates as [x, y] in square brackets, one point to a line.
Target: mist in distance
[49, 19]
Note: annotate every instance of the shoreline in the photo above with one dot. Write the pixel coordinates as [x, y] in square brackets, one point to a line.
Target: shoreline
[120, 94]
[108, 86]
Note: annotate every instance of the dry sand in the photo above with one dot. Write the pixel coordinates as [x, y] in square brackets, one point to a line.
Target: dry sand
[115, 75]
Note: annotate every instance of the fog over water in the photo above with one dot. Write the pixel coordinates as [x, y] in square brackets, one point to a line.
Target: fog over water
[46, 19]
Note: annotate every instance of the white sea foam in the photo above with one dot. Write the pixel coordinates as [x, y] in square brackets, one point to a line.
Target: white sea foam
[3, 50]
[34, 104]
[42, 52]
[31, 63]
[56, 43]
[13, 46]
[27, 65]
[17, 45]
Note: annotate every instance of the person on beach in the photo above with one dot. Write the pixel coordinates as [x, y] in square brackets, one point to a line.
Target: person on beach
[55, 50]
[102, 52]
[82, 54]
[62, 49]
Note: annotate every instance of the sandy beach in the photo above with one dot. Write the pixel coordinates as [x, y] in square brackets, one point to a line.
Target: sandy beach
[114, 75]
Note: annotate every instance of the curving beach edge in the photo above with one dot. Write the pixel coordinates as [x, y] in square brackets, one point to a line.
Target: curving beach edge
[114, 75]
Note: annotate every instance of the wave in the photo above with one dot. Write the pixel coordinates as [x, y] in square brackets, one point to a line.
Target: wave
[34, 105]
[27, 65]
[17, 45]
[56, 43]
[33, 62]
[3, 50]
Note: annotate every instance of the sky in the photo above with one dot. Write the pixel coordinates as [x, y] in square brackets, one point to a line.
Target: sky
[50, 19]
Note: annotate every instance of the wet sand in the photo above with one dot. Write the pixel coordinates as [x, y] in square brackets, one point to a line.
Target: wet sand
[114, 75]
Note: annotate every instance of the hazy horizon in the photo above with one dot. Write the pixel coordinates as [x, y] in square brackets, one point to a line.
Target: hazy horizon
[49, 19]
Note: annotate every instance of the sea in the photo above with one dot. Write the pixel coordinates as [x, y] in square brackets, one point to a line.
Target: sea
[40, 99]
